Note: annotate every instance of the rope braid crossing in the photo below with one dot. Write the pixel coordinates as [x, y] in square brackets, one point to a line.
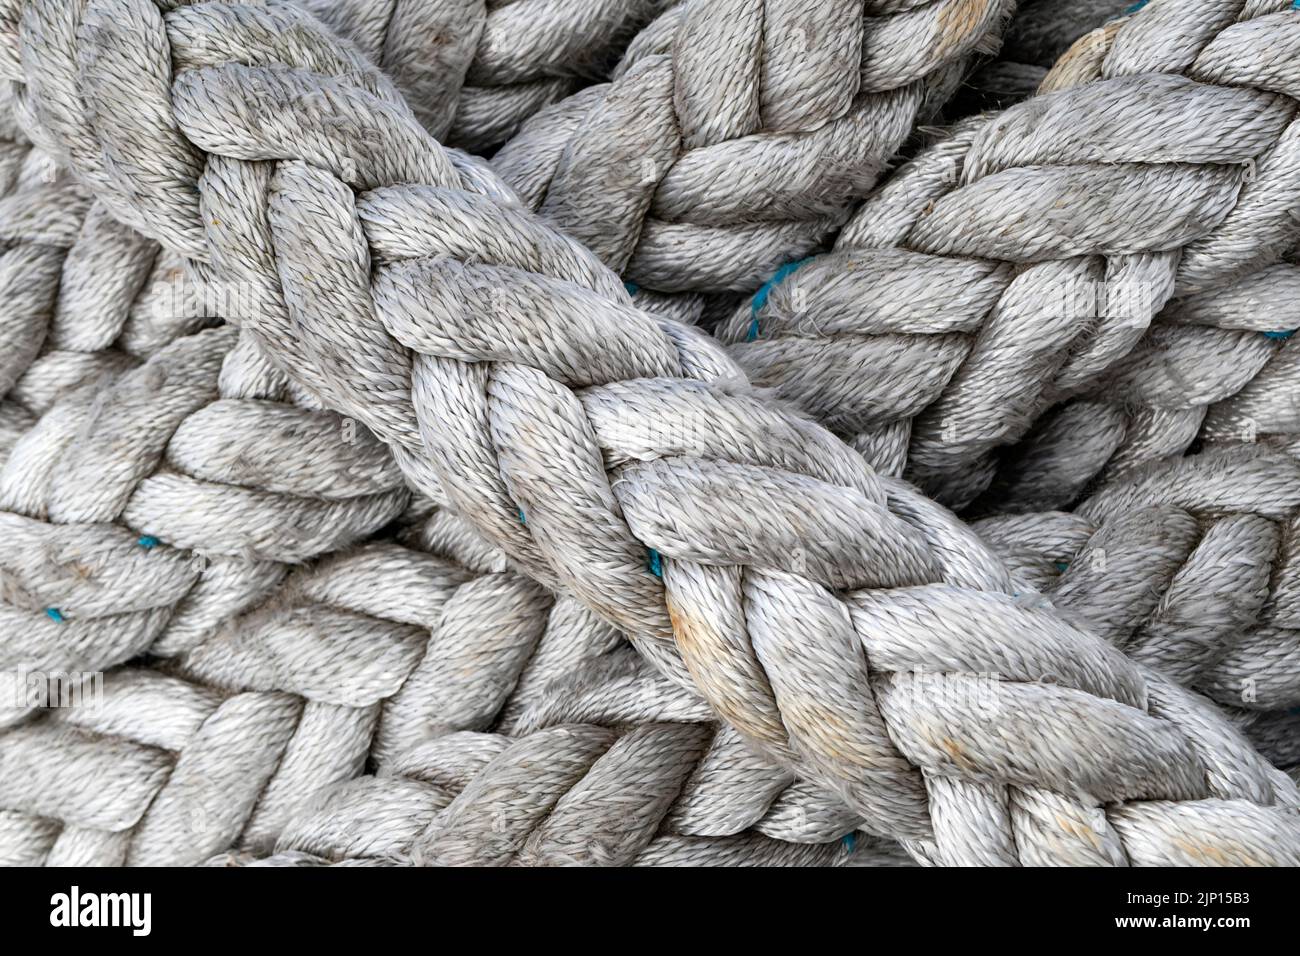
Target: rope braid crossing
[84, 595]
[428, 808]
[1178, 600]
[352, 660]
[108, 624]
[248, 651]
[57, 244]
[1190, 566]
[123, 540]
[346, 637]
[1016, 262]
[474, 71]
[86, 298]
[248, 657]
[140, 515]
[1156, 769]
[1218, 358]
[1216, 367]
[736, 135]
[616, 768]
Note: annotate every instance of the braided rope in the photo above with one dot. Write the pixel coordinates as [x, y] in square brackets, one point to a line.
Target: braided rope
[616, 768]
[86, 298]
[141, 515]
[1020, 259]
[736, 134]
[352, 660]
[474, 71]
[648, 792]
[1155, 759]
[1216, 367]
[1189, 566]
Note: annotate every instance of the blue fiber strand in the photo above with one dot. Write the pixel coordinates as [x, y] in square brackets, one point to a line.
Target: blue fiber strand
[522, 519]
[54, 614]
[1282, 333]
[146, 541]
[1062, 565]
[654, 563]
[632, 288]
[760, 297]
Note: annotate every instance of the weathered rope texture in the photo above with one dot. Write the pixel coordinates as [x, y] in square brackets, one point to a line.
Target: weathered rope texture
[1190, 566]
[351, 661]
[513, 429]
[474, 70]
[1019, 260]
[1216, 367]
[615, 768]
[1040, 33]
[736, 134]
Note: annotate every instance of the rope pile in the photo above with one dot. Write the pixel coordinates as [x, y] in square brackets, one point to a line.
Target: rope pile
[589, 503]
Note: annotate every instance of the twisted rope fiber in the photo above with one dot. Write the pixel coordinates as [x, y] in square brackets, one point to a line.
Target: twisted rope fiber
[70, 316]
[57, 332]
[14, 148]
[248, 657]
[169, 618]
[429, 807]
[1188, 566]
[1041, 32]
[1038, 34]
[1223, 362]
[251, 655]
[354, 658]
[359, 650]
[1193, 794]
[632, 772]
[85, 298]
[474, 71]
[345, 637]
[266, 651]
[1019, 260]
[1224, 359]
[1197, 359]
[140, 516]
[106, 498]
[1238, 644]
[1218, 367]
[401, 57]
[737, 134]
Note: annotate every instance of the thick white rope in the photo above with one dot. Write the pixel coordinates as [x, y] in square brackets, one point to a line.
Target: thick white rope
[617, 769]
[1216, 367]
[311, 216]
[473, 70]
[353, 661]
[736, 135]
[1190, 566]
[1018, 261]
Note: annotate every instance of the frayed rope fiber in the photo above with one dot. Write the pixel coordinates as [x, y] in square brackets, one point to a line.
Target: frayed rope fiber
[455, 538]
